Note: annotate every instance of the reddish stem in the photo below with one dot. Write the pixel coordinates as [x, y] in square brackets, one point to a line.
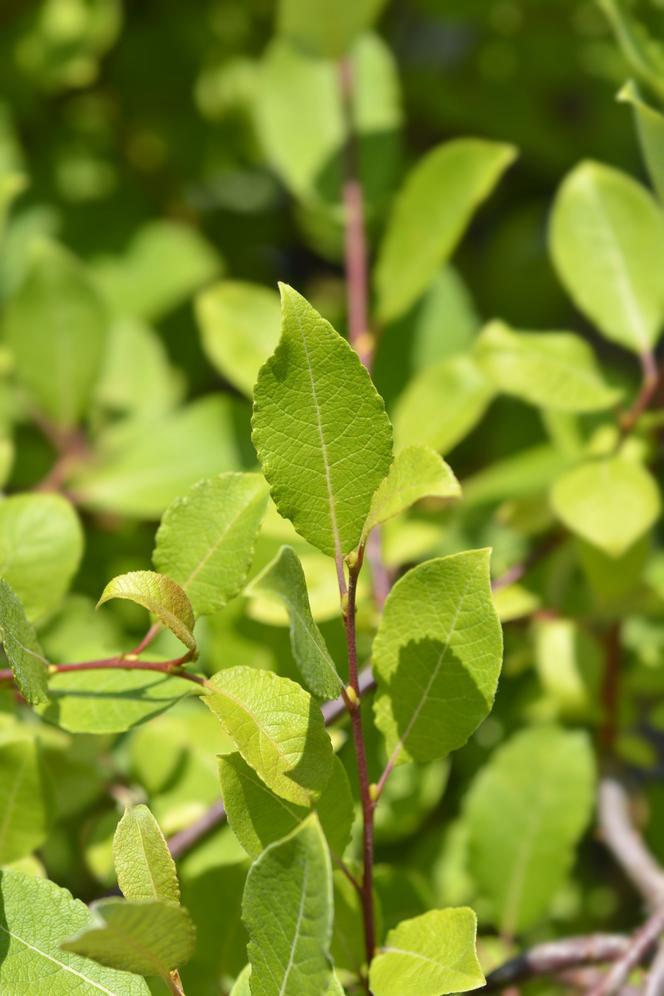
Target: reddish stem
[649, 384]
[122, 663]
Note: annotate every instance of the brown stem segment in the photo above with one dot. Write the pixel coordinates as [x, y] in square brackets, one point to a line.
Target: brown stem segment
[610, 689]
[558, 956]
[122, 663]
[649, 386]
[641, 943]
[626, 845]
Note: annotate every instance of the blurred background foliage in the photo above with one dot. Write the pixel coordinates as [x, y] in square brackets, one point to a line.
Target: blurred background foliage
[169, 146]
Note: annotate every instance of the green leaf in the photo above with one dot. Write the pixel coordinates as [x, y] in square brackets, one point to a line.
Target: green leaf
[158, 594]
[430, 214]
[12, 185]
[41, 543]
[442, 404]
[206, 539]
[570, 666]
[143, 863]
[437, 656]
[55, 326]
[24, 820]
[644, 52]
[650, 130]
[22, 648]
[35, 915]
[239, 325]
[163, 265]
[113, 700]
[417, 472]
[328, 27]
[258, 817]
[542, 781]
[556, 370]
[277, 728]
[429, 955]
[290, 939]
[284, 579]
[528, 472]
[241, 985]
[137, 378]
[609, 502]
[314, 396]
[607, 235]
[147, 938]
[301, 124]
[143, 467]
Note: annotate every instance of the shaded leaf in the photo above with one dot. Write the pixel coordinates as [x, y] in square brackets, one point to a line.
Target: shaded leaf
[650, 130]
[284, 579]
[328, 27]
[22, 649]
[437, 656]
[24, 815]
[290, 940]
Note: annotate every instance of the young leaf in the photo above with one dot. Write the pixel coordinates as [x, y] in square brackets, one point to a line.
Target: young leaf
[650, 129]
[159, 595]
[610, 502]
[206, 539]
[290, 939]
[442, 404]
[34, 915]
[277, 728]
[41, 543]
[22, 649]
[320, 430]
[284, 579]
[430, 214]
[328, 27]
[147, 938]
[143, 863]
[239, 325]
[241, 985]
[417, 472]
[56, 329]
[556, 370]
[607, 235]
[24, 821]
[429, 955]
[437, 656]
[542, 781]
[258, 817]
[113, 700]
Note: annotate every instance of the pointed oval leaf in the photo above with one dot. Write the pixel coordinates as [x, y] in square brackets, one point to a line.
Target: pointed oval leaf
[55, 325]
[206, 539]
[113, 700]
[143, 863]
[417, 472]
[328, 27]
[556, 370]
[429, 955]
[159, 595]
[23, 803]
[442, 404]
[610, 502]
[239, 325]
[430, 214]
[41, 543]
[542, 781]
[258, 817]
[147, 938]
[289, 941]
[34, 915]
[22, 649]
[284, 579]
[277, 728]
[437, 656]
[320, 430]
[607, 237]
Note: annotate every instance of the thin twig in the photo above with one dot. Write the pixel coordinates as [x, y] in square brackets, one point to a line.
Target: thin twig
[640, 945]
[655, 982]
[121, 663]
[626, 844]
[557, 956]
[649, 384]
